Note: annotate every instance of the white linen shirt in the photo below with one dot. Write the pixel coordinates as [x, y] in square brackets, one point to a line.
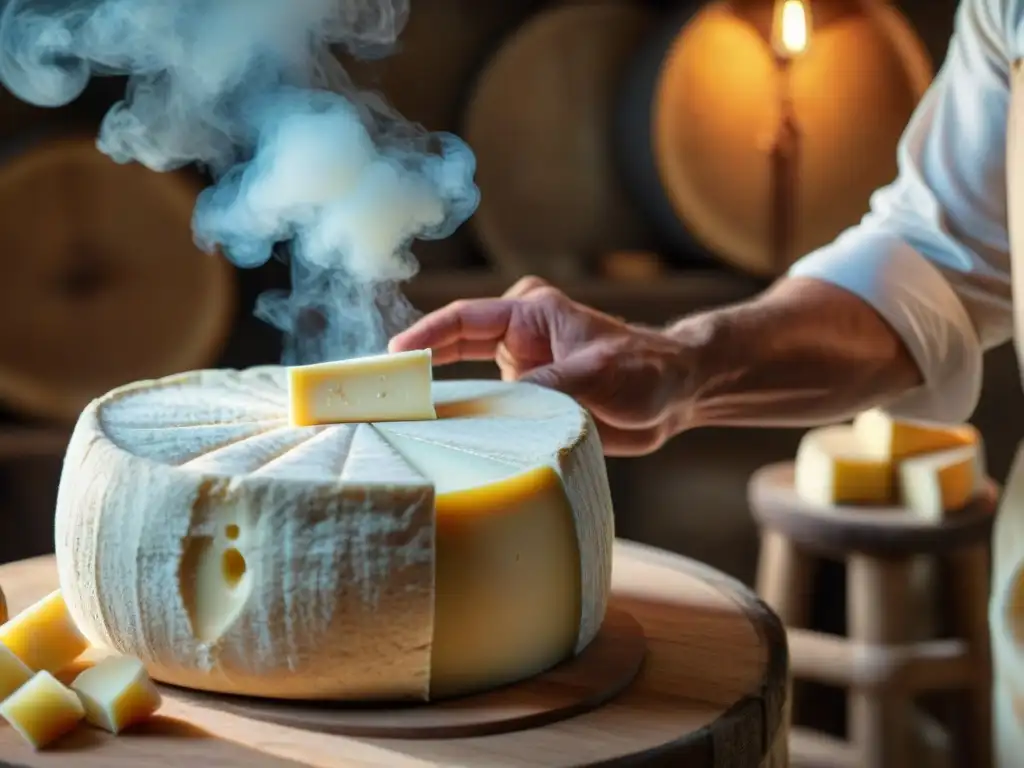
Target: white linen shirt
[932, 255]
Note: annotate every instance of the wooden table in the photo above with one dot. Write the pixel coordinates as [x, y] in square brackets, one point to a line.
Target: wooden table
[713, 692]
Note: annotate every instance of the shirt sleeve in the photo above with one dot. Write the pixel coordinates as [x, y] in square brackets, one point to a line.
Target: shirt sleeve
[932, 255]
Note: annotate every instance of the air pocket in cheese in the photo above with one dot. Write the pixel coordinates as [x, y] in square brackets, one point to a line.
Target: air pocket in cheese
[44, 635]
[42, 710]
[117, 693]
[833, 467]
[198, 530]
[392, 387]
[936, 483]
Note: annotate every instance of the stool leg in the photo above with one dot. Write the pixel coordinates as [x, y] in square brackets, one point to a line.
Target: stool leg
[877, 612]
[784, 574]
[970, 595]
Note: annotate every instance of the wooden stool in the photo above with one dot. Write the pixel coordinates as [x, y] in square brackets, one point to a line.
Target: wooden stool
[712, 692]
[879, 664]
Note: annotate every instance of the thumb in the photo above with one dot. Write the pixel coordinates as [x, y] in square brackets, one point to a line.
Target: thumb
[576, 375]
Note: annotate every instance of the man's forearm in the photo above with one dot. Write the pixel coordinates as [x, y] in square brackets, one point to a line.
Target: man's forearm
[803, 353]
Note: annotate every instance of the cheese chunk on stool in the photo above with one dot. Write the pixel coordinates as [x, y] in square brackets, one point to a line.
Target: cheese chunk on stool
[833, 467]
[14, 673]
[392, 387]
[44, 635]
[117, 693]
[934, 484]
[893, 440]
[42, 710]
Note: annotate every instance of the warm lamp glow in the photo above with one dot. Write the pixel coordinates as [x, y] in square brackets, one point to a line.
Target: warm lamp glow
[791, 31]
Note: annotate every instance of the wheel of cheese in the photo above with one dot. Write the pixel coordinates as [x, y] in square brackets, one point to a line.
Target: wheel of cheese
[101, 281]
[234, 553]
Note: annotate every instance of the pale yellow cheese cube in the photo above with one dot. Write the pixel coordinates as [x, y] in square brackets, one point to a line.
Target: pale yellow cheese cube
[42, 710]
[44, 635]
[117, 693]
[886, 438]
[833, 467]
[14, 673]
[935, 484]
[392, 387]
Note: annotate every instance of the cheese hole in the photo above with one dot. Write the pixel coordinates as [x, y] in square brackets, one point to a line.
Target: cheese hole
[232, 531]
[233, 566]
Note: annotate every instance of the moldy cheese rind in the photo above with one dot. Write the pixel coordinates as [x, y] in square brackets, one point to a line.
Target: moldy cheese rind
[230, 551]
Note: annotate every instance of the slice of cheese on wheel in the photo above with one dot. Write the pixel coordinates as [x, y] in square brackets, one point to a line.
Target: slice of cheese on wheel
[833, 467]
[230, 551]
[393, 387]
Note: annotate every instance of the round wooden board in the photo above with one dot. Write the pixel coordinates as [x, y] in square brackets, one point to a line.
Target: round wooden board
[601, 672]
[100, 281]
[712, 693]
[540, 119]
[695, 140]
[872, 529]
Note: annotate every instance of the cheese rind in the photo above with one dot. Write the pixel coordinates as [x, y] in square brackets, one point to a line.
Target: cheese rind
[44, 635]
[833, 467]
[934, 484]
[888, 439]
[391, 387]
[117, 693]
[42, 710]
[316, 572]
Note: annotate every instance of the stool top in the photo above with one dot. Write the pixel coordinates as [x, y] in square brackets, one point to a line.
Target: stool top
[882, 531]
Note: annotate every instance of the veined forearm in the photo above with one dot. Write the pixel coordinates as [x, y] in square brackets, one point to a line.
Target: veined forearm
[803, 353]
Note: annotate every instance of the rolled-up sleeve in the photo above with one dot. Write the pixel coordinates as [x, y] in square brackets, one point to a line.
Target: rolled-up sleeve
[932, 255]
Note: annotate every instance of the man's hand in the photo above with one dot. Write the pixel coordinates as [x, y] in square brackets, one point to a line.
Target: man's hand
[627, 377]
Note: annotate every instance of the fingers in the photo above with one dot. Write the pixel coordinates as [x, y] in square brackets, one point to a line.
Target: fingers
[525, 286]
[465, 350]
[480, 320]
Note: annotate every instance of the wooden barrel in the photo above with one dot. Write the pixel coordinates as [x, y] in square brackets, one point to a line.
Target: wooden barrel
[700, 114]
[540, 121]
[100, 282]
[712, 693]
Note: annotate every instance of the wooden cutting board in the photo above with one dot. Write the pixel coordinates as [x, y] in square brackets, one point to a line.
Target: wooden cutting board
[712, 693]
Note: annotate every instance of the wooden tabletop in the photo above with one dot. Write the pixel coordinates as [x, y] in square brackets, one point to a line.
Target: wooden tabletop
[712, 692]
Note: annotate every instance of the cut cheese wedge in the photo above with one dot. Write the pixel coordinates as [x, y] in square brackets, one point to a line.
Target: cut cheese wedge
[117, 693]
[14, 672]
[833, 467]
[933, 484]
[400, 560]
[893, 440]
[44, 635]
[42, 710]
[392, 387]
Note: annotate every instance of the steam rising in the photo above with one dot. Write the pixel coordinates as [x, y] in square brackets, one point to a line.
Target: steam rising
[250, 90]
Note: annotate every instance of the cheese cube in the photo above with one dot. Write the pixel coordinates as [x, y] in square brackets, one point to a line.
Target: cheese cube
[42, 710]
[893, 440]
[44, 635]
[936, 483]
[393, 387]
[117, 693]
[14, 673]
[832, 467]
